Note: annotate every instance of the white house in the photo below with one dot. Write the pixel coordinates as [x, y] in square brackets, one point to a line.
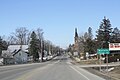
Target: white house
[17, 52]
[7, 57]
[20, 56]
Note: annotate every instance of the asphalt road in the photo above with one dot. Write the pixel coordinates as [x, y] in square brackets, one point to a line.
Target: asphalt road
[59, 68]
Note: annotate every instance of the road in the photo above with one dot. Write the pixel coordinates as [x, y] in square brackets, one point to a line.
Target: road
[60, 68]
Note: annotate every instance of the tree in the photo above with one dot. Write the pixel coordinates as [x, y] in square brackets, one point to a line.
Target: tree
[49, 43]
[43, 49]
[3, 45]
[89, 44]
[19, 36]
[34, 47]
[40, 33]
[90, 35]
[12, 40]
[90, 47]
[81, 43]
[104, 33]
[85, 36]
[115, 35]
[40, 39]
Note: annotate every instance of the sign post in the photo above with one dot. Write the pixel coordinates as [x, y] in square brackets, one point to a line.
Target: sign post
[100, 62]
[103, 51]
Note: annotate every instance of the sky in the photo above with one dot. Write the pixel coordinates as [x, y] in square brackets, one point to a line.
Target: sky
[57, 18]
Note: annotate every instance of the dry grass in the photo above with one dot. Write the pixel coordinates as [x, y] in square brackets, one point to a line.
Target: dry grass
[116, 72]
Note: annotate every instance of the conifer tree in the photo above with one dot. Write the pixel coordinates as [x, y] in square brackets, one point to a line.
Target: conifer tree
[115, 38]
[104, 33]
[34, 46]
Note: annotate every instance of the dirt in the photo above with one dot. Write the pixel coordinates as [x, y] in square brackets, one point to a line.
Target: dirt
[115, 73]
[112, 75]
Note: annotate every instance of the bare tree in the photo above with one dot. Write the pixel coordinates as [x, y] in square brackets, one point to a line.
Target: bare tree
[12, 40]
[19, 36]
[40, 33]
[28, 37]
[49, 43]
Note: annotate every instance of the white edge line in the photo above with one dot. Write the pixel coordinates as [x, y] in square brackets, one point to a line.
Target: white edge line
[80, 73]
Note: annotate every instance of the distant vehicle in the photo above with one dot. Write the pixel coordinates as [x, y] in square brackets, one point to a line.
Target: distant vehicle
[1, 61]
[49, 57]
[45, 58]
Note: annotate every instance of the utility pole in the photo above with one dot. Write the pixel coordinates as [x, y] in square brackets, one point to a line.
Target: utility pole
[42, 51]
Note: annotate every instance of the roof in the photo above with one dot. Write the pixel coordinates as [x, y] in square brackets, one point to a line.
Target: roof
[15, 52]
[6, 54]
[12, 48]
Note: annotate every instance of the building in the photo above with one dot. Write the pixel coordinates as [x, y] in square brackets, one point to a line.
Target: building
[76, 44]
[15, 54]
[7, 57]
[20, 56]
[76, 39]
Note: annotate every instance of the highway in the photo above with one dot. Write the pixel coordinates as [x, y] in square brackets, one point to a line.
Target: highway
[60, 68]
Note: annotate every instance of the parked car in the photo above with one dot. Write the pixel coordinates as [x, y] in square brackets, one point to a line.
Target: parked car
[49, 57]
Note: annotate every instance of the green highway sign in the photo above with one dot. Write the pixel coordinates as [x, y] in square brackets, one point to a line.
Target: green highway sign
[103, 51]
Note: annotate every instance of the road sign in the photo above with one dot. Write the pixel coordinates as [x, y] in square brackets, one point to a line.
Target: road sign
[103, 51]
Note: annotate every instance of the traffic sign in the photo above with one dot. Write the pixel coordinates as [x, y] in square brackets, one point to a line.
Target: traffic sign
[103, 51]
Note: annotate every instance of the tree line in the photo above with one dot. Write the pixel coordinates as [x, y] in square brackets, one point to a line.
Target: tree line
[105, 34]
[34, 39]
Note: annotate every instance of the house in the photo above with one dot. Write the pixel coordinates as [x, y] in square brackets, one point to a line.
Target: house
[7, 57]
[15, 54]
[20, 56]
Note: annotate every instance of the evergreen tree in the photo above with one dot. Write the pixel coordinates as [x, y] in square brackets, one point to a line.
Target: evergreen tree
[34, 46]
[90, 35]
[90, 47]
[89, 43]
[115, 35]
[3, 45]
[104, 33]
